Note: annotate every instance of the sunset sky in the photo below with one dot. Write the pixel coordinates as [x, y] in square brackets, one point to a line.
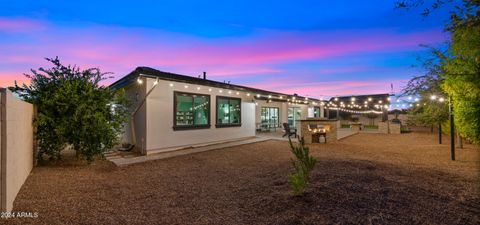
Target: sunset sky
[313, 48]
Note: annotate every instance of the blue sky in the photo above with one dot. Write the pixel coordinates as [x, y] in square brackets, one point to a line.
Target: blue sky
[314, 48]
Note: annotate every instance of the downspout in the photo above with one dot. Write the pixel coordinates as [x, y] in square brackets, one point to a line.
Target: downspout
[132, 116]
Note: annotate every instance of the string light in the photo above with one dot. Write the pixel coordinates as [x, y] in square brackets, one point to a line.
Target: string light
[294, 101]
[358, 112]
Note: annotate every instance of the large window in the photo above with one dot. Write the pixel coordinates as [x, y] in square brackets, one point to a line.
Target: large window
[313, 112]
[191, 111]
[270, 117]
[229, 112]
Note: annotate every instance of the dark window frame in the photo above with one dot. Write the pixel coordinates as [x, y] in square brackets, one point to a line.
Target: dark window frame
[190, 127]
[217, 125]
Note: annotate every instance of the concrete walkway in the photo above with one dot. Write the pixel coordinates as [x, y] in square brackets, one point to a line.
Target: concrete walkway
[343, 133]
[128, 158]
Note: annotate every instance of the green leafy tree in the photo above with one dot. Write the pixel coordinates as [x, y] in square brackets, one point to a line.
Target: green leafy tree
[428, 113]
[460, 66]
[303, 164]
[74, 110]
[462, 81]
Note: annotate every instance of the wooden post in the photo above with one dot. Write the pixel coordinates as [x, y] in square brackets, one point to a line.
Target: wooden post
[452, 129]
[439, 133]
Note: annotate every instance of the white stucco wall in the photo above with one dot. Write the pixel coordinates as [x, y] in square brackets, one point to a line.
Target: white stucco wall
[160, 112]
[17, 147]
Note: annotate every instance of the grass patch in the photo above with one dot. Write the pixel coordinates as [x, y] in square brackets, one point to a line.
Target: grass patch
[370, 126]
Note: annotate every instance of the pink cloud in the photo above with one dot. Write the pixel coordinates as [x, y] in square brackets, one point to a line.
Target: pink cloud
[20, 25]
[120, 50]
[7, 79]
[133, 47]
[327, 89]
[339, 70]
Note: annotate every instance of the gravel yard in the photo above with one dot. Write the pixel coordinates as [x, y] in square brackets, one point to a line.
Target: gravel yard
[363, 179]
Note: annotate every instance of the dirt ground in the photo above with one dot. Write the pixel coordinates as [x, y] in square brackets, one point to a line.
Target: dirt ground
[363, 179]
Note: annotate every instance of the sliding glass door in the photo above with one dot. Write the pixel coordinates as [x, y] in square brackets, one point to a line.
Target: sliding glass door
[294, 113]
[270, 117]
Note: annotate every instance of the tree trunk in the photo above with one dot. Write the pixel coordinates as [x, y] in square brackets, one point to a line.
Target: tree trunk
[459, 140]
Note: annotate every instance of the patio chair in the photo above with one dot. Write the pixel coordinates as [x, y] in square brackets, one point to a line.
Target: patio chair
[289, 131]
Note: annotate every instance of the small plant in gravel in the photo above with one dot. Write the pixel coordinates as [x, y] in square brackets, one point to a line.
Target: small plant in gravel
[303, 164]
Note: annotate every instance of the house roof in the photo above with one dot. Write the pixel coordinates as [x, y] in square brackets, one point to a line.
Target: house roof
[153, 73]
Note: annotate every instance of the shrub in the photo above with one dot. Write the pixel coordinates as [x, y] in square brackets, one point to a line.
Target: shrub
[303, 164]
[74, 110]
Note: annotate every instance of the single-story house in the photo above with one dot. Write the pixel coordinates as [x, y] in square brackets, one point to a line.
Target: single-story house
[172, 111]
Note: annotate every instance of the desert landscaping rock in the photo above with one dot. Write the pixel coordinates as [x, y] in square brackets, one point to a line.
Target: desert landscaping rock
[363, 179]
